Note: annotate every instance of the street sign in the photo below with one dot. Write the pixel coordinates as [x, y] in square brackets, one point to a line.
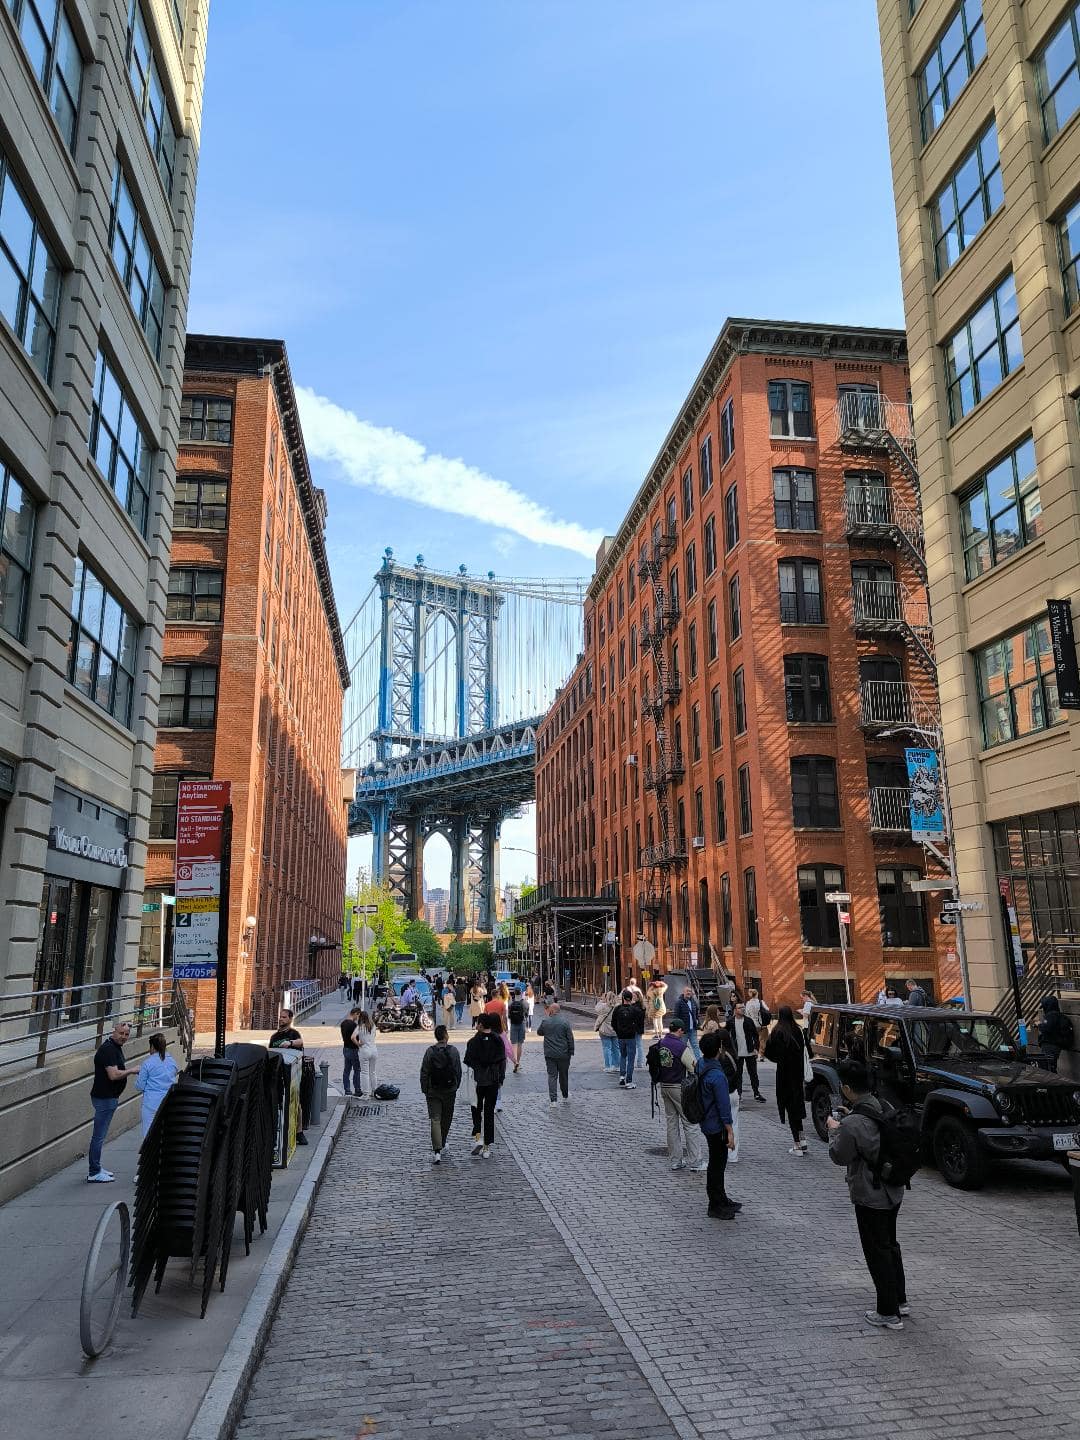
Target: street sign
[150, 909]
[365, 939]
[845, 917]
[644, 951]
[1063, 644]
[947, 917]
[609, 933]
[924, 885]
[199, 820]
[837, 897]
[365, 909]
[961, 906]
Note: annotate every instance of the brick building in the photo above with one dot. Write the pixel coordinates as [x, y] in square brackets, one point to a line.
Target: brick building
[757, 638]
[253, 676]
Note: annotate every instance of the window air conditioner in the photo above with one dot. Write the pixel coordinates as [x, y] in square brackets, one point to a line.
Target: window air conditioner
[698, 842]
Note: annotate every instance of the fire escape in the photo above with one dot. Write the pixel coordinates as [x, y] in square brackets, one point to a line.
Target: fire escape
[668, 766]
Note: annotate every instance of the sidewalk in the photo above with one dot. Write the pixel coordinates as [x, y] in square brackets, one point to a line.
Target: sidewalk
[154, 1375]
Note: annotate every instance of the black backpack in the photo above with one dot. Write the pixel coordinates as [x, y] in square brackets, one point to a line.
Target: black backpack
[900, 1155]
[654, 1063]
[517, 1012]
[693, 1106]
[441, 1075]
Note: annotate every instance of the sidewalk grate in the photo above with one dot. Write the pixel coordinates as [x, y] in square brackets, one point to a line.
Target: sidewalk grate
[363, 1111]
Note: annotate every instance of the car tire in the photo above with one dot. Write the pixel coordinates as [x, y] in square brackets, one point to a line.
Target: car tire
[820, 1108]
[957, 1154]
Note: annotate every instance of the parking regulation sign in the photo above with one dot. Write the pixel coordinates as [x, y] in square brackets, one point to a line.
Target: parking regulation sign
[200, 813]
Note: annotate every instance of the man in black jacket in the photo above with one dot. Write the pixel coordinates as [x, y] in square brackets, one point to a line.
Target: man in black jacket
[743, 1041]
[689, 1012]
[486, 1058]
[440, 1076]
[628, 1022]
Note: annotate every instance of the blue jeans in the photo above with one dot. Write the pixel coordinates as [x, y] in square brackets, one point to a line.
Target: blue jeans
[104, 1110]
[627, 1051]
[692, 1037]
[611, 1051]
[459, 1011]
[352, 1067]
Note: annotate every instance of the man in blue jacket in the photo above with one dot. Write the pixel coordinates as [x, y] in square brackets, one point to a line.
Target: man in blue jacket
[689, 1012]
[716, 1125]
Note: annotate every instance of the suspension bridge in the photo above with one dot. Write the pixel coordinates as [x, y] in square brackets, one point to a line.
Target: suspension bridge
[449, 677]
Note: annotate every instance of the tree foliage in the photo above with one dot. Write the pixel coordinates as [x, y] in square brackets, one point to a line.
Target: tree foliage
[387, 926]
[421, 938]
[470, 957]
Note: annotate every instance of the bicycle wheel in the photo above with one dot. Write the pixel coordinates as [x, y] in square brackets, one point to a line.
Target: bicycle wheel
[99, 1303]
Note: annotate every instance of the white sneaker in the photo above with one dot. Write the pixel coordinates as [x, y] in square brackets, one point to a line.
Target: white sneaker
[904, 1309]
[485, 1153]
[565, 1099]
[796, 1150]
[553, 1104]
[629, 1085]
[436, 1157]
[101, 1178]
[678, 1164]
[697, 1169]
[884, 1322]
[477, 1148]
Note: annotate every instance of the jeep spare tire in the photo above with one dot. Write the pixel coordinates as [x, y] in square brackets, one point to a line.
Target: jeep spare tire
[957, 1154]
[821, 1108]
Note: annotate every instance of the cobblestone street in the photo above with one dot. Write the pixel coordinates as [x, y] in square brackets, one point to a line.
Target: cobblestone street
[572, 1286]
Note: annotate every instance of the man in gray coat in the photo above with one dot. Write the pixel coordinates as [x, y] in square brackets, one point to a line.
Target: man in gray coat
[558, 1038]
[855, 1141]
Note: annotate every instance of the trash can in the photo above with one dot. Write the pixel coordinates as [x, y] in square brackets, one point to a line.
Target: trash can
[309, 1092]
[324, 1084]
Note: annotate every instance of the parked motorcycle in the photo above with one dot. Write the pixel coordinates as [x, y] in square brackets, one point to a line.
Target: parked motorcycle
[403, 1017]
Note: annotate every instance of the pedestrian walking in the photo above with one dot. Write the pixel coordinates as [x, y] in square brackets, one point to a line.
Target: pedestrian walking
[515, 1014]
[916, 995]
[716, 1126]
[688, 1009]
[787, 1049]
[608, 1040]
[1055, 1030]
[726, 1056]
[357, 989]
[530, 1005]
[350, 1051]
[807, 1001]
[855, 1142]
[440, 1077]
[558, 1036]
[655, 1003]
[669, 1060]
[743, 1035]
[343, 983]
[639, 999]
[628, 1022]
[486, 1059]
[367, 1046]
[111, 1074]
[461, 997]
[476, 1003]
[156, 1077]
[449, 1004]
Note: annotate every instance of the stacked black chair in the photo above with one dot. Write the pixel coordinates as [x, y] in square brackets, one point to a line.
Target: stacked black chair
[256, 1076]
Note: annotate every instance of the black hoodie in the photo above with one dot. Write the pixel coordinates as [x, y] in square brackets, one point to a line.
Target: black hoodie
[1055, 1029]
[486, 1058]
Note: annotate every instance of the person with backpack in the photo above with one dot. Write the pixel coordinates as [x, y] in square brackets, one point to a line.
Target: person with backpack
[558, 1037]
[486, 1059]
[669, 1060]
[628, 1022]
[864, 1142]
[713, 1098]
[440, 1077]
[1055, 1030]
[517, 1015]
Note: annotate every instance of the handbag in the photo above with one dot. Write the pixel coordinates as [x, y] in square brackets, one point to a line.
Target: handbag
[807, 1068]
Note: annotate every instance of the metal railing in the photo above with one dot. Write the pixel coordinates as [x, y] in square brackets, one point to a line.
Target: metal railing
[668, 852]
[38, 1024]
[896, 703]
[880, 509]
[890, 809]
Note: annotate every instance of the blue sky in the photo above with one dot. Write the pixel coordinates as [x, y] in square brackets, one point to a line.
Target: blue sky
[506, 232]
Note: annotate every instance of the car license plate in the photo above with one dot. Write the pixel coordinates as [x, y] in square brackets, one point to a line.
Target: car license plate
[1069, 1141]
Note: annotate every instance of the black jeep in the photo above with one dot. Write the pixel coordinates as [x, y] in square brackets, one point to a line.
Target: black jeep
[978, 1098]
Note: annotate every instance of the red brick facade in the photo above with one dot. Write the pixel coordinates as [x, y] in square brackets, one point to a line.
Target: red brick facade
[686, 747]
[281, 674]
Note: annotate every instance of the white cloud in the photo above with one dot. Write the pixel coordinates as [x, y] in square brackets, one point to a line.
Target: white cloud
[378, 458]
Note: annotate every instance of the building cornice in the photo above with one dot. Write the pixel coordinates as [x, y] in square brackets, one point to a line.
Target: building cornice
[233, 355]
[785, 339]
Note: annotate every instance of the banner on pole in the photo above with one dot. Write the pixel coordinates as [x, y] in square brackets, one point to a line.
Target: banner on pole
[924, 794]
[1063, 641]
[200, 812]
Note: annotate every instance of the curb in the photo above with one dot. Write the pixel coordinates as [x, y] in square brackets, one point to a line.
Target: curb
[220, 1409]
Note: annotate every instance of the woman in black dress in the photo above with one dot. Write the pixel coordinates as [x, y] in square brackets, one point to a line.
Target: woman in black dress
[788, 1048]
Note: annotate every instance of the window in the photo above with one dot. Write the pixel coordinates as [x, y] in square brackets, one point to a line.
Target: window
[633, 646]
[673, 592]
[29, 276]
[630, 581]
[794, 499]
[55, 57]
[867, 500]
[814, 804]
[949, 65]
[695, 733]
[720, 806]
[1069, 248]
[819, 920]
[687, 493]
[706, 464]
[699, 812]
[17, 515]
[800, 592]
[903, 911]
[691, 648]
[1017, 684]
[725, 911]
[163, 803]
[206, 418]
[622, 648]
[103, 646]
[691, 572]
[712, 630]
[972, 193]
[985, 349]
[670, 518]
[710, 545]
[136, 264]
[622, 599]
[150, 96]
[731, 518]
[1001, 512]
[188, 696]
[716, 718]
[194, 595]
[738, 692]
[806, 689]
[734, 609]
[727, 432]
[746, 812]
[750, 894]
[1056, 74]
[789, 408]
[119, 447]
[200, 504]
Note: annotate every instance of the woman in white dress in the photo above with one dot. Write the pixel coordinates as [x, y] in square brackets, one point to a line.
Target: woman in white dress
[157, 1075]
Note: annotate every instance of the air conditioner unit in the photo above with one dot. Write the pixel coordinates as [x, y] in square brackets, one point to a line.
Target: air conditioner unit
[697, 842]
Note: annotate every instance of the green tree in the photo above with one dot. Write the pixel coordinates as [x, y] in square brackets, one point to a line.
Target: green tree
[422, 940]
[387, 926]
[470, 957]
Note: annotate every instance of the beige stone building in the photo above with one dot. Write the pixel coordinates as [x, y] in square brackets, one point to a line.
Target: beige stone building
[983, 100]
